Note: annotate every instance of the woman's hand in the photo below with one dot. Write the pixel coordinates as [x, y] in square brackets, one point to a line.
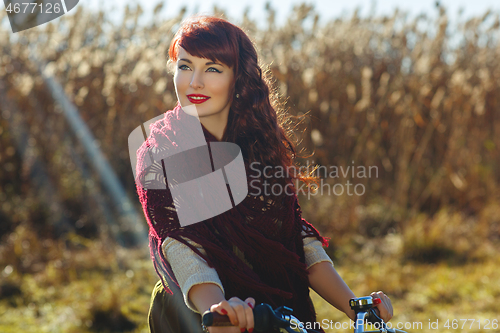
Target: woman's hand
[239, 312]
[384, 308]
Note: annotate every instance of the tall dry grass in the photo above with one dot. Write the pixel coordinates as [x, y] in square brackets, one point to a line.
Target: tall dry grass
[415, 97]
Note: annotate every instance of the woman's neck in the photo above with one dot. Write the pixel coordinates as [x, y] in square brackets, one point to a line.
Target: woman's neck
[215, 125]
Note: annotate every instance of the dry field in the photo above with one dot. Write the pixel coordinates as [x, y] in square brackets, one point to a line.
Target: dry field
[415, 98]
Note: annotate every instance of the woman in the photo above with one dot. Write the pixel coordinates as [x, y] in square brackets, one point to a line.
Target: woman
[261, 250]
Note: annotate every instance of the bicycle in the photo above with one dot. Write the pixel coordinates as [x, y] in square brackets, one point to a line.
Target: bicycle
[281, 319]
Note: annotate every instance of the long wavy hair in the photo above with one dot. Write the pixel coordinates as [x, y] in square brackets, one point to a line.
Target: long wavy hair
[257, 121]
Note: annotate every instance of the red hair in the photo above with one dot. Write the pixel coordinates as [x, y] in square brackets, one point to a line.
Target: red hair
[253, 122]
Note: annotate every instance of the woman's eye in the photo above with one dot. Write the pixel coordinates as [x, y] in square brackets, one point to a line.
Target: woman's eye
[212, 69]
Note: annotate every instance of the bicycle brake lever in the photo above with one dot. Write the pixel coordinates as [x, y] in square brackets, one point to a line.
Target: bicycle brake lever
[373, 317]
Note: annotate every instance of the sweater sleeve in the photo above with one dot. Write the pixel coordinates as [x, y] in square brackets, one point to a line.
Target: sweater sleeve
[314, 252]
[190, 269]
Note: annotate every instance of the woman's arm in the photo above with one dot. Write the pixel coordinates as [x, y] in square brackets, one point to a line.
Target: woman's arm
[325, 280]
[204, 295]
[208, 296]
[190, 269]
[202, 289]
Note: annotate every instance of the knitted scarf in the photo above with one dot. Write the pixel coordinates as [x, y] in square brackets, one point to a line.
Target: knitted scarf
[256, 247]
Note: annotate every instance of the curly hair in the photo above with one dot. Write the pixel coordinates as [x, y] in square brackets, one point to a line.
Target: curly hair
[257, 121]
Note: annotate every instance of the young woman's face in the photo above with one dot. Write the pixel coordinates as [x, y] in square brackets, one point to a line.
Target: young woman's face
[204, 84]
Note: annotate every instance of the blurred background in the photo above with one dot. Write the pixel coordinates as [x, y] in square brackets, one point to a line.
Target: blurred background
[411, 90]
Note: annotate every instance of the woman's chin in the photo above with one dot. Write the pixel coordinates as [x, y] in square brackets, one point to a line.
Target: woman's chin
[191, 110]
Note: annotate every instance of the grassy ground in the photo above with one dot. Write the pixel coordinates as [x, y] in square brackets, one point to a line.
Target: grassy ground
[424, 293]
[86, 286]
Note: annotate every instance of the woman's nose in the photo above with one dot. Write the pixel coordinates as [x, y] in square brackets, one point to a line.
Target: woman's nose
[196, 81]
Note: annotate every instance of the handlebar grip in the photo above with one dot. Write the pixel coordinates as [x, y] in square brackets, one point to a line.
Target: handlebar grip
[215, 319]
[265, 318]
[373, 317]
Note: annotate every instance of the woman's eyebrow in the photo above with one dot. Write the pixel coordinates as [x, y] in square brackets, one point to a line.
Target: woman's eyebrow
[208, 63]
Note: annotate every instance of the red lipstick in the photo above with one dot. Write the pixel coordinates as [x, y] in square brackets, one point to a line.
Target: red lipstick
[197, 98]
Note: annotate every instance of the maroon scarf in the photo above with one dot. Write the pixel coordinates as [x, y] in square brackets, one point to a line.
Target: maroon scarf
[266, 229]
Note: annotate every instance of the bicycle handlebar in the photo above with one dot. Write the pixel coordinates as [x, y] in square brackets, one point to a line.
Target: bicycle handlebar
[365, 312]
[281, 320]
[265, 319]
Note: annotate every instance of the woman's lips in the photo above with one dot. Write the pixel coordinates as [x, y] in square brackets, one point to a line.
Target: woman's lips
[197, 99]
